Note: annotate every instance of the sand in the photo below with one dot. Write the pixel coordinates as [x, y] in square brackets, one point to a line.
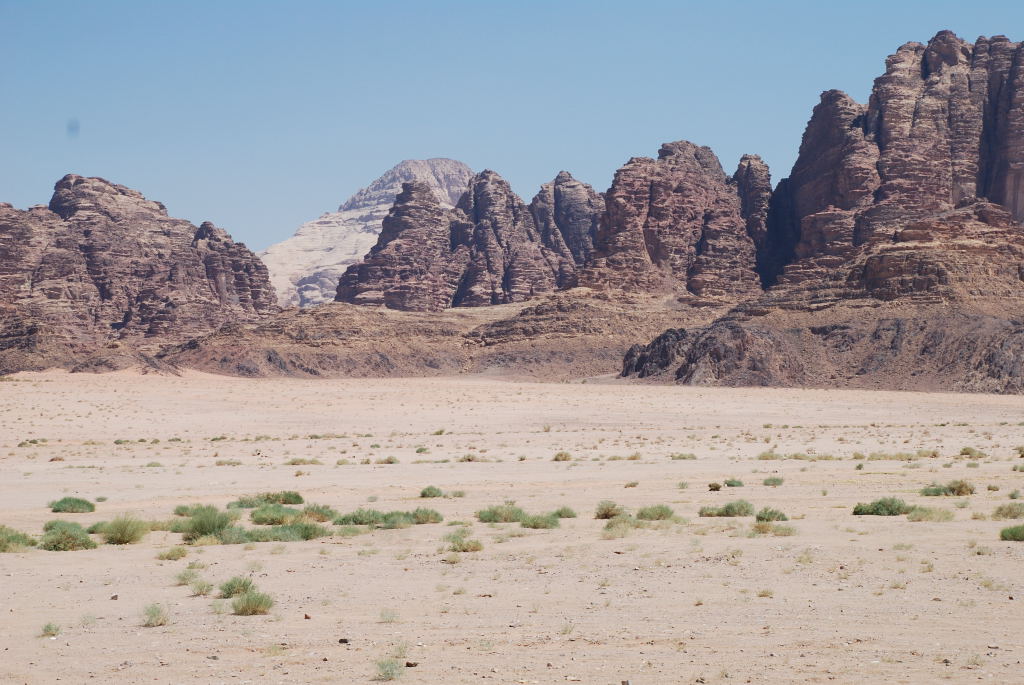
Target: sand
[847, 599]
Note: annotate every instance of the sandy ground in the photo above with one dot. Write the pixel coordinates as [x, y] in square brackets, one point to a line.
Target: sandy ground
[844, 599]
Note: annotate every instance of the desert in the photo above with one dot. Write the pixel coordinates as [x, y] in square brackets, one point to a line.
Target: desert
[827, 596]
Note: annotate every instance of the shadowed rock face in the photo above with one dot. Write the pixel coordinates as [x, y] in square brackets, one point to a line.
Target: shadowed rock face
[485, 251]
[674, 224]
[102, 264]
[566, 212]
[896, 241]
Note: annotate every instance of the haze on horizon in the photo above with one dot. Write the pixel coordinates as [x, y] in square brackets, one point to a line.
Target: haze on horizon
[259, 116]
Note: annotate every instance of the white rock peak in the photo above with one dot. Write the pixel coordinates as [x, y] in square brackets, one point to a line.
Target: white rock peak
[305, 268]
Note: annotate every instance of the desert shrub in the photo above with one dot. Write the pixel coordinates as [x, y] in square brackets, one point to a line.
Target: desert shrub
[64, 536]
[274, 534]
[50, 630]
[186, 509]
[97, 528]
[253, 501]
[361, 517]
[306, 530]
[252, 603]
[714, 487]
[887, 506]
[502, 513]
[971, 452]
[233, 535]
[773, 481]
[769, 528]
[72, 505]
[1013, 510]
[561, 456]
[564, 513]
[389, 669]
[273, 515]
[124, 529]
[206, 520]
[682, 457]
[540, 521]
[422, 515]
[319, 512]
[733, 483]
[958, 488]
[458, 542]
[154, 615]
[606, 509]
[931, 514]
[200, 587]
[431, 491]
[396, 519]
[236, 586]
[619, 526]
[1012, 534]
[303, 461]
[14, 541]
[172, 554]
[657, 512]
[768, 514]
[740, 507]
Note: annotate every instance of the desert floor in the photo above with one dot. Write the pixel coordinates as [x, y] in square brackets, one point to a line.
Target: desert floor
[844, 598]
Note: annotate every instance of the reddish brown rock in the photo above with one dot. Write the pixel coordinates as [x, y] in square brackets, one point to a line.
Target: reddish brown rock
[566, 212]
[486, 251]
[674, 224]
[104, 266]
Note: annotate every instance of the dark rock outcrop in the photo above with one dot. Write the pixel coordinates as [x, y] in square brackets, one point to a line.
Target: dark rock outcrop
[103, 266]
[566, 212]
[674, 224]
[486, 251]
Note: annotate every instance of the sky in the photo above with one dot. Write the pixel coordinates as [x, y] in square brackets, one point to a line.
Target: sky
[259, 116]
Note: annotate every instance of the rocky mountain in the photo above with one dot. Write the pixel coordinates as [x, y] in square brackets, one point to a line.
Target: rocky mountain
[896, 243]
[485, 251]
[103, 268]
[566, 212]
[674, 223]
[306, 267]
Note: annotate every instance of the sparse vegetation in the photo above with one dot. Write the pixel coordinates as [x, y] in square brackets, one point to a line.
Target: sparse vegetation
[502, 513]
[887, 506]
[64, 536]
[251, 603]
[14, 541]
[540, 521]
[431, 491]
[773, 481]
[738, 508]
[606, 509]
[1012, 534]
[235, 586]
[124, 529]
[930, 514]
[657, 512]
[1013, 510]
[955, 488]
[769, 514]
[154, 615]
[72, 505]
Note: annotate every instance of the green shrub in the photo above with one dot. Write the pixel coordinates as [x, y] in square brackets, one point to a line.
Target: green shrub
[274, 534]
[389, 669]
[273, 515]
[540, 521]
[124, 529]
[97, 528]
[187, 509]
[431, 491]
[768, 514]
[233, 535]
[682, 457]
[396, 519]
[658, 512]
[154, 615]
[457, 542]
[619, 526]
[957, 488]
[253, 501]
[1013, 510]
[502, 513]
[422, 515]
[738, 508]
[14, 541]
[236, 586]
[252, 603]
[64, 536]
[606, 509]
[773, 482]
[72, 505]
[50, 630]
[206, 520]
[564, 513]
[361, 517]
[887, 506]
[319, 512]
[733, 483]
[1012, 534]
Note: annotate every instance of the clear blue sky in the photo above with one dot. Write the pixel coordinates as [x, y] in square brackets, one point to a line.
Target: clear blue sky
[262, 115]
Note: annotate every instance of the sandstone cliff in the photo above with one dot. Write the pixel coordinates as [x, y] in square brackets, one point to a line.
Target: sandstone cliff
[102, 266]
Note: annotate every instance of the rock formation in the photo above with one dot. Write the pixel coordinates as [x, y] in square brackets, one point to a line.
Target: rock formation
[102, 265]
[674, 224]
[899, 233]
[306, 267]
[566, 212]
[486, 251]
